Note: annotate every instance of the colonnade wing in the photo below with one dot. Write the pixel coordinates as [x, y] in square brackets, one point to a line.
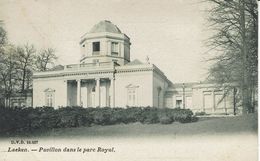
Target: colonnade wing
[93, 96]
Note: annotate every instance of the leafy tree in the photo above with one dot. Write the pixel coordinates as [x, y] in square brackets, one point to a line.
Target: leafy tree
[234, 45]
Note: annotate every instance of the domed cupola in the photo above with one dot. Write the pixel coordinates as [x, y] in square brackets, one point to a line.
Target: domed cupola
[105, 26]
[105, 43]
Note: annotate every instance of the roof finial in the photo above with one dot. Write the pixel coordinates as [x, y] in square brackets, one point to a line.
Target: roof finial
[147, 59]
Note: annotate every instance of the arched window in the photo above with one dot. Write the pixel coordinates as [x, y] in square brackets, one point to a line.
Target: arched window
[49, 97]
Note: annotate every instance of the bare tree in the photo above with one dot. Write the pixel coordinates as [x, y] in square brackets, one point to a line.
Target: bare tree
[234, 45]
[17, 64]
[3, 39]
[3, 36]
[8, 72]
[26, 56]
[45, 59]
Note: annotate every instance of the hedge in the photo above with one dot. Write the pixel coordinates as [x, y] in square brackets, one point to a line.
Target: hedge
[43, 118]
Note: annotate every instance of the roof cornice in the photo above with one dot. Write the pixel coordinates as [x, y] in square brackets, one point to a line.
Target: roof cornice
[90, 36]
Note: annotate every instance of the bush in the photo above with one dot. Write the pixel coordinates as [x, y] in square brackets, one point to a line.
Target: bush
[102, 116]
[164, 119]
[44, 118]
[71, 117]
[150, 115]
[194, 119]
[118, 116]
[202, 113]
[181, 115]
[133, 114]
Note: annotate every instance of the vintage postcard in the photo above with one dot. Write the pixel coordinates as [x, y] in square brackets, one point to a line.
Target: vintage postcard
[121, 80]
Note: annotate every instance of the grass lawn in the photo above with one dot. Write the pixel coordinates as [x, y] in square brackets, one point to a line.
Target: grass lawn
[209, 139]
[205, 126]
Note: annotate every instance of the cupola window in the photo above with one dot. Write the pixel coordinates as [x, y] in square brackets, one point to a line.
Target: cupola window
[96, 47]
[114, 48]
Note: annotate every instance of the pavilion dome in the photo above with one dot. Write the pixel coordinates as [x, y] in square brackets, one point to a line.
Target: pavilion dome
[105, 26]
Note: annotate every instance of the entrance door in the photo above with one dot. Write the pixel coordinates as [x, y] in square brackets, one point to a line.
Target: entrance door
[178, 103]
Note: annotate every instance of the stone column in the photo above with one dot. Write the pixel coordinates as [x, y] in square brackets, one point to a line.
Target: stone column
[78, 92]
[98, 91]
[112, 86]
[89, 90]
[107, 93]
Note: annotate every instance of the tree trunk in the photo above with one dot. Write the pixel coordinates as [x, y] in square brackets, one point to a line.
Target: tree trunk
[245, 82]
[234, 100]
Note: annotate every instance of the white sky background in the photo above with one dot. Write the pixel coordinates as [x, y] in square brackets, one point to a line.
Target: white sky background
[170, 32]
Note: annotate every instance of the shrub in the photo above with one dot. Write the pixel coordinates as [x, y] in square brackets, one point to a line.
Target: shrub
[101, 117]
[71, 117]
[133, 114]
[181, 115]
[200, 113]
[117, 116]
[164, 119]
[44, 118]
[194, 119]
[150, 115]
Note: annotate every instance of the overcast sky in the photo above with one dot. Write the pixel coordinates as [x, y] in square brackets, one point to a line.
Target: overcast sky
[170, 32]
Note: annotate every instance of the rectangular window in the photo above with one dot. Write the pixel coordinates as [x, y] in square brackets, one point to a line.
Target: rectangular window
[114, 48]
[96, 47]
[49, 99]
[131, 97]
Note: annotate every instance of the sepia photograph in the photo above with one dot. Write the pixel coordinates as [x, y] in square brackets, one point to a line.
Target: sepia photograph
[129, 80]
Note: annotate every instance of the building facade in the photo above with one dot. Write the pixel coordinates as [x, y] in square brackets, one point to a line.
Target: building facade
[105, 77]
[18, 99]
